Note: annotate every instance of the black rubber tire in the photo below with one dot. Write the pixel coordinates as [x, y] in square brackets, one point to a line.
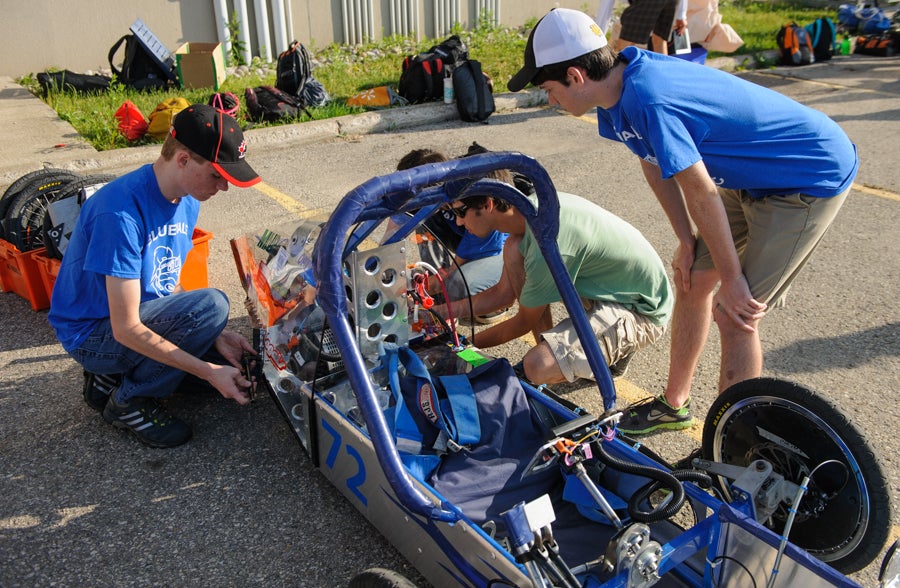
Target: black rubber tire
[767, 417]
[24, 181]
[25, 217]
[71, 190]
[380, 578]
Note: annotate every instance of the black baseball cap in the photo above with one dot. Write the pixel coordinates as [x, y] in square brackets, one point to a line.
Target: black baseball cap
[217, 138]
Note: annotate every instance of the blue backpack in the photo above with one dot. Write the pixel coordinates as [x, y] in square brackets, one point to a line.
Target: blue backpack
[865, 19]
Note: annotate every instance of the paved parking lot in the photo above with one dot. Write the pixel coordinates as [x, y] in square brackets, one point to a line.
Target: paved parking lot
[83, 504]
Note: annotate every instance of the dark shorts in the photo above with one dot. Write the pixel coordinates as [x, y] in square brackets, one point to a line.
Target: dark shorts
[643, 17]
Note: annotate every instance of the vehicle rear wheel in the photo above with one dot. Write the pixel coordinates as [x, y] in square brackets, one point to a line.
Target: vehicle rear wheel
[845, 517]
[37, 181]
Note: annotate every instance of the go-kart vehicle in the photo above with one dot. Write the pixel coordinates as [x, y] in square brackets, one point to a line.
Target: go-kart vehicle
[481, 478]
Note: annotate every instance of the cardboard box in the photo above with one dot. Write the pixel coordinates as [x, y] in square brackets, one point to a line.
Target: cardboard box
[200, 65]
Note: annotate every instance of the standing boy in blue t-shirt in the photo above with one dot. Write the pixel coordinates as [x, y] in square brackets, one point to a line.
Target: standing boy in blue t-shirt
[117, 306]
[760, 175]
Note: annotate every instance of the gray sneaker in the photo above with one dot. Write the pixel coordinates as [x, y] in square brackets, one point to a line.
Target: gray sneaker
[650, 414]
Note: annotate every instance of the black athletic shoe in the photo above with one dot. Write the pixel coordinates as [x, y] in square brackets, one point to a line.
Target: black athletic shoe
[148, 421]
[98, 387]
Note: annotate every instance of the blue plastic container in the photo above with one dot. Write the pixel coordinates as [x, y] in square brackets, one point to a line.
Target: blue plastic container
[697, 55]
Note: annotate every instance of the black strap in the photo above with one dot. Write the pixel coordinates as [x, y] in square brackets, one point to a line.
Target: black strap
[112, 53]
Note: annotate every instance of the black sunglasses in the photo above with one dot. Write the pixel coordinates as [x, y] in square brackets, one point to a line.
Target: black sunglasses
[459, 211]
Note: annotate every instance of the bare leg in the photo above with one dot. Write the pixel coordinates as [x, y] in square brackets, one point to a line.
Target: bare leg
[541, 367]
[742, 356]
[690, 329]
[539, 363]
[659, 44]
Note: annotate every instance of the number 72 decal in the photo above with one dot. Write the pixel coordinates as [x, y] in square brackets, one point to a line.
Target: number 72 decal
[356, 480]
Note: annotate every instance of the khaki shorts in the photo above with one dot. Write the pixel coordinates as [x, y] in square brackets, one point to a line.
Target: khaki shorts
[619, 331]
[774, 238]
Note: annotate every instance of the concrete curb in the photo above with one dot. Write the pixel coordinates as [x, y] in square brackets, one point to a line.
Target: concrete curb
[379, 121]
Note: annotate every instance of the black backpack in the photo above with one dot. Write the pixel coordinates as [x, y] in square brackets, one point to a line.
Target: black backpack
[473, 91]
[268, 104]
[823, 36]
[794, 45]
[293, 69]
[422, 75]
[140, 70]
[422, 78]
[452, 52]
[69, 81]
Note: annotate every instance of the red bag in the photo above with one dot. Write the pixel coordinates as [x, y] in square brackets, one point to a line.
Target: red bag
[131, 121]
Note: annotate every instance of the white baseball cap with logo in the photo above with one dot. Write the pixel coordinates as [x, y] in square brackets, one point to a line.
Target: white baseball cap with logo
[562, 34]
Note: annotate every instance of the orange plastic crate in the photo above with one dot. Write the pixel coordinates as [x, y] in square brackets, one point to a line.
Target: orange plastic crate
[19, 273]
[48, 267]
[32, 274]
[195, 271]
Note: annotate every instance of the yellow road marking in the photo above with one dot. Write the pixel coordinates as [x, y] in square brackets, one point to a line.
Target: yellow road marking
[280, 197]
[876, 192]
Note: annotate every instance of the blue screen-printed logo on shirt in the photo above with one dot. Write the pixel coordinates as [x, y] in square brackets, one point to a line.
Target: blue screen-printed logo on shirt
[166, 271]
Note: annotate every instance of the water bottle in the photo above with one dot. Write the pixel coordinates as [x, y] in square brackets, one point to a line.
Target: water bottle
[448, 88]
[845, 45]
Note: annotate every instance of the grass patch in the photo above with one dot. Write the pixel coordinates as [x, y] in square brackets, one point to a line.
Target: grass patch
[758, 22]
[348, 70]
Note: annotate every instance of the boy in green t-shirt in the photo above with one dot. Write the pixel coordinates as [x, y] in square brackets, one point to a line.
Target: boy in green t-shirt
[619, 276]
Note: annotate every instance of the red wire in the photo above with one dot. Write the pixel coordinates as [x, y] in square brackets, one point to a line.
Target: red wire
[449, 309]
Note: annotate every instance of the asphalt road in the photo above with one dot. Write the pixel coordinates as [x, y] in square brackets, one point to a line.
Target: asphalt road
[84, 504]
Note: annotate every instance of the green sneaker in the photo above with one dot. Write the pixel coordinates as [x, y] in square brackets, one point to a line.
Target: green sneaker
[654, 413]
